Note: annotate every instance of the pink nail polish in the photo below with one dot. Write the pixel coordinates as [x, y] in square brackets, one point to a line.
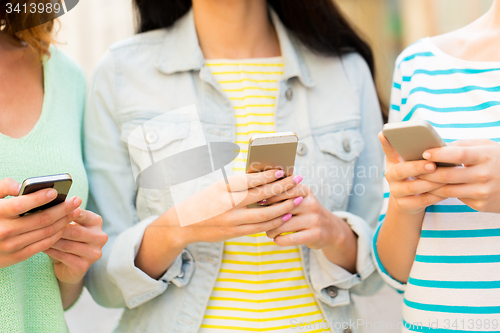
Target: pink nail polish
[297, 200]
[279, 173]
[297, 179]
[262, 202]
[287, 217]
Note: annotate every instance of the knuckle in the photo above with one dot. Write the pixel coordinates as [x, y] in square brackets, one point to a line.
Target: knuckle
[96, 255]
[44, 219]
[483, 177]
[104, 239]
[17, 206]
[398, 172]
[482, 192]
[5, 233]
[411, 187]
[7, 247]
[48, 231]
[74, 232]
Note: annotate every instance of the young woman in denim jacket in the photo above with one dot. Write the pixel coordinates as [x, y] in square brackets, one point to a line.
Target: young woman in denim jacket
[164, 274]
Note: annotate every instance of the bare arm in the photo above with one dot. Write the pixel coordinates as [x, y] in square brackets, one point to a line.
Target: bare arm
[400, 232]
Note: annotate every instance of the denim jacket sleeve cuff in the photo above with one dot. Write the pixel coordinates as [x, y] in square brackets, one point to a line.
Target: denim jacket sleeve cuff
[330, 279]
[136, 286]
[400, 287]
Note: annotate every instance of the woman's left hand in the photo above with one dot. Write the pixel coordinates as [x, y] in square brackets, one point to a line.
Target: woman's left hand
[311, 224]
[79, 247]
[477, 184]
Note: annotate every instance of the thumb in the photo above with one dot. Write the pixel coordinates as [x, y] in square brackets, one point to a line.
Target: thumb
[389, 151]
[9, 186]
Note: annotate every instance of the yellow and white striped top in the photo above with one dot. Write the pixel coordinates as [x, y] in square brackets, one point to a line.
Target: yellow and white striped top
[261, 286]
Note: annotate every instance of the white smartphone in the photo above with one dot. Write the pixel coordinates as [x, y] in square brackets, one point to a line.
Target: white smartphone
[61, 183]
[412, 138]
[272, 151]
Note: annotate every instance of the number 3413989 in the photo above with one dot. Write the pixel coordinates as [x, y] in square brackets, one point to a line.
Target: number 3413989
[34, 8]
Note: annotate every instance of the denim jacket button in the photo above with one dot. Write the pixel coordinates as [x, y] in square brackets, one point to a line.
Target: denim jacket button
[151, 137]
[301, 149]
[347, 145]
[332, 291]
[289, 94]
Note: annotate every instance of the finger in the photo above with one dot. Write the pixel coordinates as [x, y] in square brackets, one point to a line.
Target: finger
[9, 186]
[88, 218]
[458, 175]
[255, 228]
[301, 190]
[21, 241]
[296, 223]
[68, 259]
[417, 202]
[256, 179]
[390, 153]
[269, 190]
[413, 187]
[472, 143]
[472, 191]
[83, 250]
[257, 215]
[24, 203]
[405, 170]
[37, 247]
[302, 237]
[82, 234]
[457, 155]
[48, 216]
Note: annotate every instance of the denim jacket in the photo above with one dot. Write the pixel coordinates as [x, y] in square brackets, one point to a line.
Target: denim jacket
[330, 102]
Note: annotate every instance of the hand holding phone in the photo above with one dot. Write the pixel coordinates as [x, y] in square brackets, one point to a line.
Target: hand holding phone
[409, 191]
[24, 236]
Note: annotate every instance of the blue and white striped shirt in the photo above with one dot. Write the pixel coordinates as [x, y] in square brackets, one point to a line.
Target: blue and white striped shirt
[454, 284]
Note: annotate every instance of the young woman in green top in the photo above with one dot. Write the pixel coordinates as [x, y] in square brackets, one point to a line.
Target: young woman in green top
[43, 258]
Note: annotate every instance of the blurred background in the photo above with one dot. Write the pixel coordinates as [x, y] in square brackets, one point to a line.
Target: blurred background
[388, 25]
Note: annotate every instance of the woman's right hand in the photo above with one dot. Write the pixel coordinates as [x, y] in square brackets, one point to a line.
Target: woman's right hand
[409, 192]
[164, 239]
[238, 220]
[23, 237]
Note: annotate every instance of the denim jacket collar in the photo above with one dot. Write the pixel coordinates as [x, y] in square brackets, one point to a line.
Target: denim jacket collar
[181, 51]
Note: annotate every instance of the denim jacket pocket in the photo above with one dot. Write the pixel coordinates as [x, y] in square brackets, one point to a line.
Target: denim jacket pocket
[340, 150]
[152, 139]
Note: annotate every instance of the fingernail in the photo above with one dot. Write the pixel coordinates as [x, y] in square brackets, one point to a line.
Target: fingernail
[429, 166]
[76, 201]
[76, 213]
[426, 155]
[51, 194]
[262, 202]
[274, 240]
[297, 200]
[279, 173]
[287, 217]
[297, 179]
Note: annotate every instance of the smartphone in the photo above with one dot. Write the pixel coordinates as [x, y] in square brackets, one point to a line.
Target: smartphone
[272, 151]
[61, 183]
[412, 138]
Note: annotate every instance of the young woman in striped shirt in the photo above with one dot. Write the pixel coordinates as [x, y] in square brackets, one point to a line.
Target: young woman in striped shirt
[440, 238]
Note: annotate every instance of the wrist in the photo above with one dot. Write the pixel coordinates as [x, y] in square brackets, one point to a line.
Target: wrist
[173, 234]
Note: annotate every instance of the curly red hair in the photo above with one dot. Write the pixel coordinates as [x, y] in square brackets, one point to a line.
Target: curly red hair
[39, 37]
